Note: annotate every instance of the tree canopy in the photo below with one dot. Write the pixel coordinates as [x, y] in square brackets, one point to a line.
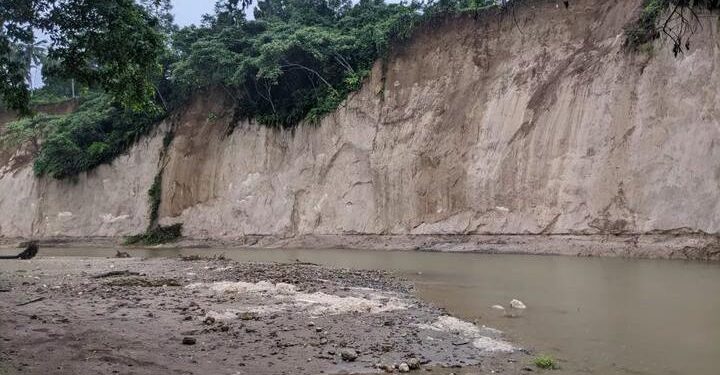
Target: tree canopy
[297, 60]
[113, 44]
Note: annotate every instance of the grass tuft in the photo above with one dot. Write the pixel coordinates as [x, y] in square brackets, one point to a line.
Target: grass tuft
[156, 236]
[546, 362]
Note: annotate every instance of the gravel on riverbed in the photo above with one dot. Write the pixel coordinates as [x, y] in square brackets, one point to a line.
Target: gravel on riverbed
[215, 316]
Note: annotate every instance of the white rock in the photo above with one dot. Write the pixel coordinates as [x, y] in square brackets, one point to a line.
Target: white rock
[414, 363]
[497, 307]
[469, 331]
[517, 304]
[404, 367]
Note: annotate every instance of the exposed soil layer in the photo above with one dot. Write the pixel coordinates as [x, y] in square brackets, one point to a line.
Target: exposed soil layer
[197, 316]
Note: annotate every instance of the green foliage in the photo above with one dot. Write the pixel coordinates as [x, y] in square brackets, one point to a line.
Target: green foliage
[546, 362]
[97, 132]
[156, 236]
[645, 29]
[674, 18]
[43, 97]
[154, 198]
[460, 6]
[25, 129]
[14, 89]
[57, 90]
[114, 44]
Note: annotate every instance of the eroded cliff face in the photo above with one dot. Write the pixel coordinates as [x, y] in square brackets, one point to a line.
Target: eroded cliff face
[476, 126]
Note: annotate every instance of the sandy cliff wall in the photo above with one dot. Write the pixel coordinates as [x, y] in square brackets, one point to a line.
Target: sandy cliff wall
[474, 127]
[109, 201]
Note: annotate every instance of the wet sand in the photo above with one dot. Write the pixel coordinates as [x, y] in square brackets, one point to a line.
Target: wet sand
[215, 316]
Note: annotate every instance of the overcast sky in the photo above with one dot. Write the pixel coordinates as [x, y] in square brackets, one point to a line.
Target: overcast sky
[189, 12]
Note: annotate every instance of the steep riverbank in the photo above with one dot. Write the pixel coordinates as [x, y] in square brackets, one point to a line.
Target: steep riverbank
[478, 135]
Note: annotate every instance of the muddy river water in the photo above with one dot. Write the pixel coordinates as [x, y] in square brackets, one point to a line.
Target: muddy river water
[596, 315]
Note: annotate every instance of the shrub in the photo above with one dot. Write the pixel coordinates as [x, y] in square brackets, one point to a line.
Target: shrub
[97, 132]
[25, 129]
[545, 362]
[645, 29]
[157, 235]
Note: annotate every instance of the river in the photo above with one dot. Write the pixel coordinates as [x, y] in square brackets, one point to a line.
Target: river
[596, 315]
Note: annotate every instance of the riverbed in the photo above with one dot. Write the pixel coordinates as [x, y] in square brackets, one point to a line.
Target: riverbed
[596, 315]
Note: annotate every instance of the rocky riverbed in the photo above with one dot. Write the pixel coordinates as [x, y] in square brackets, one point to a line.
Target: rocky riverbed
[216, 316]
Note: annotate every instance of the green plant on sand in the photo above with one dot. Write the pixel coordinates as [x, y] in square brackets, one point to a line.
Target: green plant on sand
[546, 362]
[156, 235]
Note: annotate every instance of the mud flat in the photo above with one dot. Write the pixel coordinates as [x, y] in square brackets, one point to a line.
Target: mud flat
[216, 316]
[676, 244]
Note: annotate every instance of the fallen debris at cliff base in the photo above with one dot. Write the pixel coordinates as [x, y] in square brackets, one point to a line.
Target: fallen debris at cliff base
[245, 318]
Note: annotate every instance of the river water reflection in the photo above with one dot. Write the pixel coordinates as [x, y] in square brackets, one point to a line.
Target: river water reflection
[597, 315]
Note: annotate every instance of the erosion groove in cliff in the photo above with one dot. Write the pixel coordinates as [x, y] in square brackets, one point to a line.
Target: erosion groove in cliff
[476, 127]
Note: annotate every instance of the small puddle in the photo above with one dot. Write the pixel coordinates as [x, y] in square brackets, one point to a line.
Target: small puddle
[596, 315]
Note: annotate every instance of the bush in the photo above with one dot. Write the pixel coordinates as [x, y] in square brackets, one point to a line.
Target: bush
[156, 236]
[645, 29]
[97, 132]
[23, 130]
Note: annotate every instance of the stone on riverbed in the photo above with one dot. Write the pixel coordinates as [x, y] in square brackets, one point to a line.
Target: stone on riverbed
[348, 355]
[517, 304]
[414, 363]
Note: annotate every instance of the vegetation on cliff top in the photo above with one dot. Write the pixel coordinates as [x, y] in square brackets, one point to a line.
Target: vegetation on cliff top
[546, 362]
[94, 134]
[156, 236]
[676, 19]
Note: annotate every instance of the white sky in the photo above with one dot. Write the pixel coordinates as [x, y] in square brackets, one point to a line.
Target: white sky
[190, 11]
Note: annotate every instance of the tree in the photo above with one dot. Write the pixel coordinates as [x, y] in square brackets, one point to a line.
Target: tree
[32, 55]
[297, 60]
[114, 44]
